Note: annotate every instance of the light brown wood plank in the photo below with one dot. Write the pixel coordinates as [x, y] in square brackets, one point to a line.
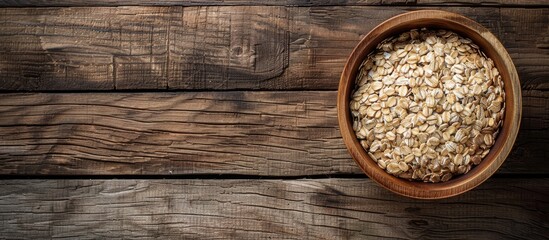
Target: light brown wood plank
[62, 3]
[264, 133]
[252, 133]
[260, 209]
[220, 47]
[229, 48]
[83, 48]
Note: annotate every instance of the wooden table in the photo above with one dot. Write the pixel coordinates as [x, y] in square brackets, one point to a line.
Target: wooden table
[217, 119]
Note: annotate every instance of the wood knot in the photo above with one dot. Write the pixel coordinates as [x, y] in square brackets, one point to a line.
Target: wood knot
[237, 50]
[418, 223]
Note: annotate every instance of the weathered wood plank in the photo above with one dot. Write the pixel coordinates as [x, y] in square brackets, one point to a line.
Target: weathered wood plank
[539, 3]
[255, 133]
[261, 209]
[528, 48]
[265, 133]
[83, 48]
[323, 37]
[220, 48]
[63, 3]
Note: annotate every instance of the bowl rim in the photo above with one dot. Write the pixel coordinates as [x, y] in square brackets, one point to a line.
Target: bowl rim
[490, 45]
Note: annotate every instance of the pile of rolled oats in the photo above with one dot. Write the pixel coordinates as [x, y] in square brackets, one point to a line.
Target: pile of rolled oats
[427, 105]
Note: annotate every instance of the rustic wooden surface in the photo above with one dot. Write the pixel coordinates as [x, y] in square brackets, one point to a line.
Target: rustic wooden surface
[262, 209]
[276, 133]
[216, 48]
[65, 3]
[234, 103]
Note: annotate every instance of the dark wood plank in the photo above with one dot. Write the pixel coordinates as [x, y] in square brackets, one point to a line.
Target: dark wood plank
[253, 133]
[62, 3]
[261, 209]
[527, 40]
[323, 37]
[532, 3]
[220, 48]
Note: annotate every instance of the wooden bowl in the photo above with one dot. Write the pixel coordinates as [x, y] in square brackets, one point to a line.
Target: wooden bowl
[490, 45]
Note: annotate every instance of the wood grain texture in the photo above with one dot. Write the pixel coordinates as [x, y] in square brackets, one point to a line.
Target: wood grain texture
[229, 48]
[252, 133]
[63, 3]
[261, 209]
[83, 48]
[532, 3]
[532, 58]
[322, 39]
[221, 47]
[263, 133]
